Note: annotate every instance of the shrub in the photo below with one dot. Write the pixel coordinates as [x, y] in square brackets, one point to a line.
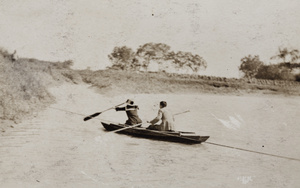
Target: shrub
[297, 77]
[274, 72]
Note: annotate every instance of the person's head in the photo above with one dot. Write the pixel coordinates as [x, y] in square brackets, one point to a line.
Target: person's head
[162, 104]
[130, 102]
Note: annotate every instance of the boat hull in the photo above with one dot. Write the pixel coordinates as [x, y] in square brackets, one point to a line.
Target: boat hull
[176, 136]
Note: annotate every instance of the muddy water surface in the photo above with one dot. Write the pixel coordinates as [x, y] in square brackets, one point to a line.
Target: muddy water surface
[59, 149]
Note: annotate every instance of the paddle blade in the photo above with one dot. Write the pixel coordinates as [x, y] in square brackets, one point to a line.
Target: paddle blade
[87, 118]
[91, 116]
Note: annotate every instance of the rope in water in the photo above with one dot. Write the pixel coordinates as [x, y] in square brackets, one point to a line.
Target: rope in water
[216, 144]
[252, 151]
[84, 115]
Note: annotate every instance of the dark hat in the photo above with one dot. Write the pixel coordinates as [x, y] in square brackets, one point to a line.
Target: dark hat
[163, 103]
[130, 102]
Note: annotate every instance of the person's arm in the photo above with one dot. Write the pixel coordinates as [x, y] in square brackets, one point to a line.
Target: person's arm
[120, 108]
[131, 108]
[158, 117]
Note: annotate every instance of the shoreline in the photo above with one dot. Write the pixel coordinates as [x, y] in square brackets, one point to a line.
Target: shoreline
[31, 98]
[111, 81]
[7, 125]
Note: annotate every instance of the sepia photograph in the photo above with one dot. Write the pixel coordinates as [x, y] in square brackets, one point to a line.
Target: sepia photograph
[149, 93]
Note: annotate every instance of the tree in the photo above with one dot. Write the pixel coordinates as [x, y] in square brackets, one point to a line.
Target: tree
[123, 58]
[284, 53]
[152, 51]
[294, 55]
[187, 60]
[250, 66]
[287, 67]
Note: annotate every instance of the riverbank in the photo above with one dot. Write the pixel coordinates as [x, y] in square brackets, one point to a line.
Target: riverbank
[24, 88]
[114, 82]
[27, 81]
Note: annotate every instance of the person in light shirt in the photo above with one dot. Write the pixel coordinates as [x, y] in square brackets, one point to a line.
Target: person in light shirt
[166, 117]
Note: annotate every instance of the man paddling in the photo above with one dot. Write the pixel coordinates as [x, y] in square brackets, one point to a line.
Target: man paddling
[166, 117]
[131, 111]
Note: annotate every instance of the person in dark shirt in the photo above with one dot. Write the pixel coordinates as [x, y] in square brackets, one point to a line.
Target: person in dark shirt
[131, 111]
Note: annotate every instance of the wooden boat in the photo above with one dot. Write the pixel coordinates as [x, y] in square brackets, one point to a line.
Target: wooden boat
[173, 136]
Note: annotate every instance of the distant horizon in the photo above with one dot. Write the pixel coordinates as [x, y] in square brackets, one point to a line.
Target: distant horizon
[86, 32]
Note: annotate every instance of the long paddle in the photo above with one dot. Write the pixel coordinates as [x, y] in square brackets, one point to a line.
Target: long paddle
[98, 113]
[181, 112]
[136, 125]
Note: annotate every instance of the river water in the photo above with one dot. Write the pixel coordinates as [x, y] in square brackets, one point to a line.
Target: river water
[64, 151]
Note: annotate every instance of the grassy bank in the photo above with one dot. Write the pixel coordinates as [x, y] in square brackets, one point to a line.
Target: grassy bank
[24, 83]
[118, 82]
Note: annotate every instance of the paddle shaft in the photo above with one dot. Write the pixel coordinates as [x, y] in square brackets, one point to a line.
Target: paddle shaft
[111, 108]
[136, 125]
[181, 113]
[98, 113]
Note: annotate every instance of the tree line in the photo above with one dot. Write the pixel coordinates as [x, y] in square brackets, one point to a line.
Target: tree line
[124, 58]
[285, 69]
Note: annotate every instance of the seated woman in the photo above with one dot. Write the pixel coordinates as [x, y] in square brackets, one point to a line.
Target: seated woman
[131, 111]
[166, 117]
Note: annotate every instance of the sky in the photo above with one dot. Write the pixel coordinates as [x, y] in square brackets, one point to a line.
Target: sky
[86, 31]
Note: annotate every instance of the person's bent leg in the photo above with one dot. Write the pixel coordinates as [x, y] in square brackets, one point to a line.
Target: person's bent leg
[152, 127]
